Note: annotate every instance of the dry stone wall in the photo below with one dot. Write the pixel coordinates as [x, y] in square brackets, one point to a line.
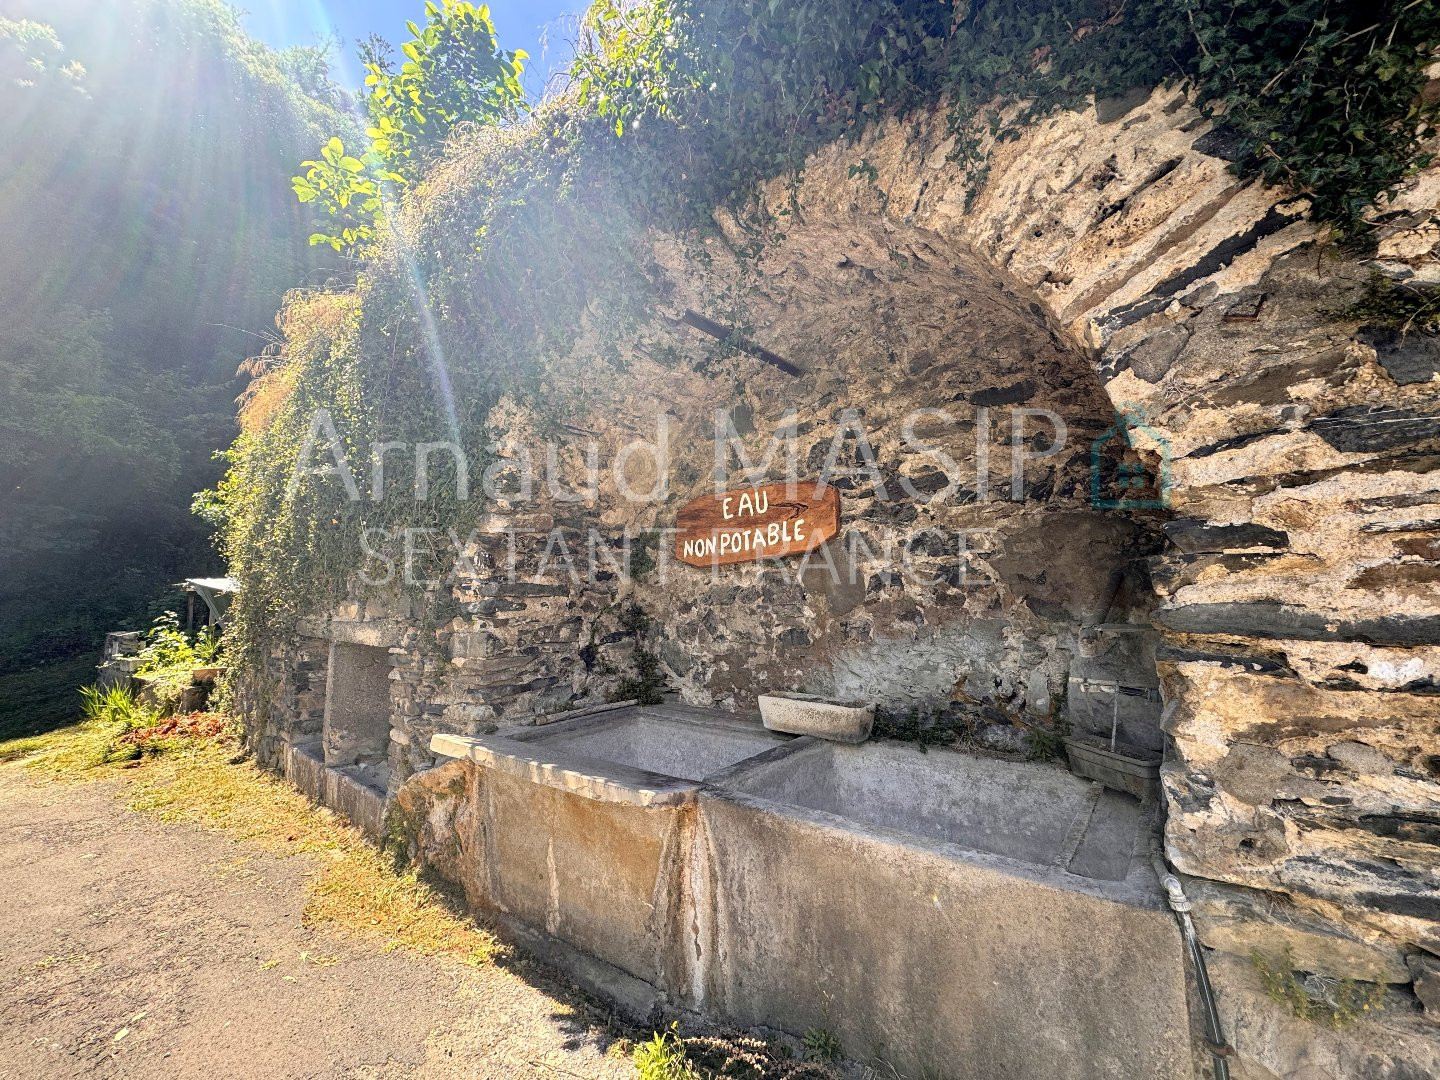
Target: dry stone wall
[1298, 587]
[1108, 263]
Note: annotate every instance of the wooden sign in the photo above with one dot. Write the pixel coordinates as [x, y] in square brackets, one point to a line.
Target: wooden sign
[756, 523]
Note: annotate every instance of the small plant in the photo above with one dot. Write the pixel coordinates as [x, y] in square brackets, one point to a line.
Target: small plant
[730, 1056]
[170, 657]
[924, 728]
[646, 684]
[114, 706]
[1321, 999]
[1401, 306]
[648, 680]
[108, 716]
[1044, 744]
[663, 1057]
[643, 554]
[821, 1045]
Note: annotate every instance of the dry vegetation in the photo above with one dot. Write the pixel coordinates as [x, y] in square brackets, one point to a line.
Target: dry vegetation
[202, 782]
[186, 771]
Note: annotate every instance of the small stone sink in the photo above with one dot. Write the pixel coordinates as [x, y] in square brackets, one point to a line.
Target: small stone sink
[805, 714]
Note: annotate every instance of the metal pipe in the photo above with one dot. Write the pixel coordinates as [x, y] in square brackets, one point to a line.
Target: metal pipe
[1220, 1050]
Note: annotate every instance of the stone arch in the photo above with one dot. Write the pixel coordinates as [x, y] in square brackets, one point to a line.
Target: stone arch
[959, 424]
[1111, 260]
[1297, 591]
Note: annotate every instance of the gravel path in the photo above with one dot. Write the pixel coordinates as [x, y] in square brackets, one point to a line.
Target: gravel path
[130, 948]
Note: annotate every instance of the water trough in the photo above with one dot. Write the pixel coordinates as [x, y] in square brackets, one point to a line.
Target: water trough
[946, 912]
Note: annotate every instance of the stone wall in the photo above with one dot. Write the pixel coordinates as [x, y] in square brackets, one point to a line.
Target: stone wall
[1297, 590]
[1110, 262]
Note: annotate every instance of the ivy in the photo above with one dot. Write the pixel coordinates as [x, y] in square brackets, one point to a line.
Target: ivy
[508, 239]
[1320, 96]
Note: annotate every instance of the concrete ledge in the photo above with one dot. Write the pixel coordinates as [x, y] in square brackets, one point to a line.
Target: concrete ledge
[357, 801]
[304, 765]
[633, 998]
[587, 777]
[362, 804]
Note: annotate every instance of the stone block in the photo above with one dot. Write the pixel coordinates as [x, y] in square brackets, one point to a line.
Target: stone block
[1243, 921]
[1425, 969]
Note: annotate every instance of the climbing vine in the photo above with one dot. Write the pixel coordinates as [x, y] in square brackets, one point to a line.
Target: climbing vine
[519, 234]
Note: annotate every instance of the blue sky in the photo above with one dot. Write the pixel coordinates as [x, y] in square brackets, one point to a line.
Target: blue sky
[543, 28]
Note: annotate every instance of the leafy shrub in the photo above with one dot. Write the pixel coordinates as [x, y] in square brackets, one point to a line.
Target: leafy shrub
[662, 1057]
[454, 72]
[167, 647]
[170, 656]
[1319, 97]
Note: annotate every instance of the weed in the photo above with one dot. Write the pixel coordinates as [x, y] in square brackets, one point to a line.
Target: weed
[1399, 305]
[925, 728]
[821, 1045]
[1044, 744]
[114, 706]
[670, 1056]
[646, 684]
[1321, 999]
[662, 1057]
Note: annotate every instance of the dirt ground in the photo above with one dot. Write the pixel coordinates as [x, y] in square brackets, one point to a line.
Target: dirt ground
[130, 948]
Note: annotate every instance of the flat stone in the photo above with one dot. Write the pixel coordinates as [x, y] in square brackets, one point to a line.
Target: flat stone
[1267, 619]
[1242, 921]
[1368, 429]
[588, 777]
[1425, 970]
[1193, 536]
[1409, 358]
[1108, 110]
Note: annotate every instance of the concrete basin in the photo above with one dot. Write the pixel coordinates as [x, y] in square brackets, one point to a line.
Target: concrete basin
[1024, 811]
[951, 914]
[584, 831]
[672, 740]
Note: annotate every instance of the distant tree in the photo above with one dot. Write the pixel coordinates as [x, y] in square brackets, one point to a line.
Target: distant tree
[148, 233]
[32, 58]
[454, 72]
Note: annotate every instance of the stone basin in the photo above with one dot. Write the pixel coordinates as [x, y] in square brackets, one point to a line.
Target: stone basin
[672, 740]
[948, 913]
[1023, 811]
[584, 831]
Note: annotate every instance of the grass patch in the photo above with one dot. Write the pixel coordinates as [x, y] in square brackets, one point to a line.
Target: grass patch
[184, 779]
[1324, 1000]
[40, 699]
